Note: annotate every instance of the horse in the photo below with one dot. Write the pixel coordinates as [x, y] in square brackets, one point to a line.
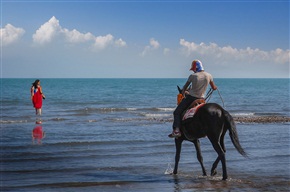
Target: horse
[211, 121]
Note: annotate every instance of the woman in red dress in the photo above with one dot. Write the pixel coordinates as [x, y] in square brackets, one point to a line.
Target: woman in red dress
[36, 97]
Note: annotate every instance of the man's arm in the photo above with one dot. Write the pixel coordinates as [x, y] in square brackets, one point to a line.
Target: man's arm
[213, 86]
[185, 87]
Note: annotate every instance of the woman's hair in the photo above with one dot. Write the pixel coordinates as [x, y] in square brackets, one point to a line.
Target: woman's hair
[35, 83]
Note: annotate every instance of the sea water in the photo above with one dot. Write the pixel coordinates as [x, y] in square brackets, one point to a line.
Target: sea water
[111, 135]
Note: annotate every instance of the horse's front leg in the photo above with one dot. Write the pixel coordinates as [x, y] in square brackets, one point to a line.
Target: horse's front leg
[178, 143]
[199, 155]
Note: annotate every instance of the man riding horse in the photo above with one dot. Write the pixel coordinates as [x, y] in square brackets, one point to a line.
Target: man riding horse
[199, 81]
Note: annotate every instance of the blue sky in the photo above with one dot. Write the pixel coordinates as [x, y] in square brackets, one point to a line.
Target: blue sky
[144, 39]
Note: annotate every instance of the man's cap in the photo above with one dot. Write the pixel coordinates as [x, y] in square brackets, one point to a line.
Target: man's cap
[196, 66]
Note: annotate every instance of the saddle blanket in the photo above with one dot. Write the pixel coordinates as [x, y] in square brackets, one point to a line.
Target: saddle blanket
[190, 112]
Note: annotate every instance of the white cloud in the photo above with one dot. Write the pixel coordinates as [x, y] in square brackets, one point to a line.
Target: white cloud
[75, 36]
[52, 29]
[153, 45]
[120, 43]
[10, 34]
[103, 41]
[233, 54]
[280, 56]
[47, 31]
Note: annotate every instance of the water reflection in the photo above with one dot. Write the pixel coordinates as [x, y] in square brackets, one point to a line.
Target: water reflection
[201, 183]
[37, 133]
[177, 187]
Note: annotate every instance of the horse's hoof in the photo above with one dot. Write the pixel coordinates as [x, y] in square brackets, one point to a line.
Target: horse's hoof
[225, 178]
[213, 173]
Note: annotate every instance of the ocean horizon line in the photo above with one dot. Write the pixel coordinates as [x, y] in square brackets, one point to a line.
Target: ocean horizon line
[138, 78]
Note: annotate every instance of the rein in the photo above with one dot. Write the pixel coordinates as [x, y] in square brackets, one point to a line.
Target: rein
[221, 98]
[209, 93]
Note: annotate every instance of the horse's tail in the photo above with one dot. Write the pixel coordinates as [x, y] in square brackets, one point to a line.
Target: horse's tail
[234, 134]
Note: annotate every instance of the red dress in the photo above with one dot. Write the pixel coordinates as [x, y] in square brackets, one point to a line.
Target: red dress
[37, 98]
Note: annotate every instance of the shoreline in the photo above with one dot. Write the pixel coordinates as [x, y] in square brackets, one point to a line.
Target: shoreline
[250, 119]
[262, 119]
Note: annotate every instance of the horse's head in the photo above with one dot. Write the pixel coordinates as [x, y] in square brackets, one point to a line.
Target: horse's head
[180, 90]
[179, 96]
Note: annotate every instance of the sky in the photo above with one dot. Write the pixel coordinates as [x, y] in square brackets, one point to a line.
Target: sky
[144, 39]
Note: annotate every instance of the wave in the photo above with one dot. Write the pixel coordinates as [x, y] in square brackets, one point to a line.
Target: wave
[13, 121]
[29, 120]
[114, 109]
[165, 109]
[157, 115]
[242, 114]
[257, 114]
[101, 110]
[151, 111]
[57, 119]
[134, 114]
[270, 114]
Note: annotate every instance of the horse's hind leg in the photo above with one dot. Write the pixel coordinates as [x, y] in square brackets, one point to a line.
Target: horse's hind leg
[199, 155]
[221, 157]
[214, 166]
[213, 171]
[178, 143]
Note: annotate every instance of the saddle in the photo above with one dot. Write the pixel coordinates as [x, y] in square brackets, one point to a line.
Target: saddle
[192, 109]
[197, 102]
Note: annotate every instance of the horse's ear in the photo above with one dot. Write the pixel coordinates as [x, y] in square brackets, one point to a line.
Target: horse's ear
[180, 90]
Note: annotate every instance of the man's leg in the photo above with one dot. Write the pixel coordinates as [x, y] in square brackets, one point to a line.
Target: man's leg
[178, 115]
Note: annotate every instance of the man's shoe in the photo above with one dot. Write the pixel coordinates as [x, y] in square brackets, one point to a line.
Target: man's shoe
[175, 134]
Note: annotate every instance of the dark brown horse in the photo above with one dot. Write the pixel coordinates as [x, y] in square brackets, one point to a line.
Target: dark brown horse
[210, 121]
